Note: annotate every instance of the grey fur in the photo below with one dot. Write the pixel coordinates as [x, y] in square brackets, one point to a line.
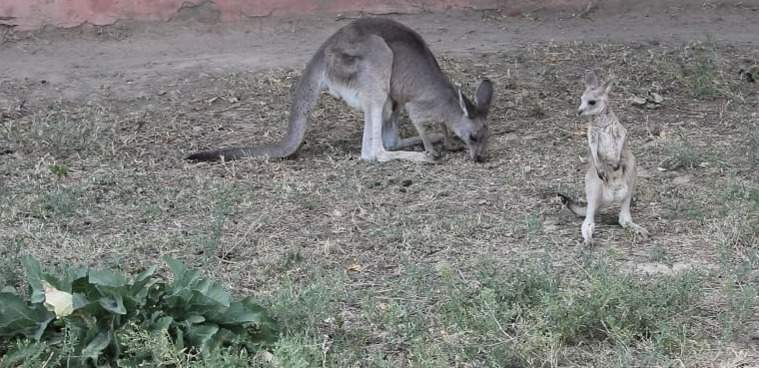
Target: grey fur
[379, 66]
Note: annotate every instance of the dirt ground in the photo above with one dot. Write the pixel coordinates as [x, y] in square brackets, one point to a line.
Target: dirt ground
[96, 121]
[139, 60]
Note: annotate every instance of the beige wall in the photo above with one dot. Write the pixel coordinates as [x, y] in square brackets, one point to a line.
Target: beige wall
[32, 14]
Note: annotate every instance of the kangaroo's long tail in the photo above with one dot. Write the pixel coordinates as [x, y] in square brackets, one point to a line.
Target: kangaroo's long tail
[305, 97]
[573, 205]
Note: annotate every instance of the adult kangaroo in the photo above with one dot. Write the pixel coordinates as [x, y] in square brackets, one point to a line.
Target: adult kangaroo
[379, 66]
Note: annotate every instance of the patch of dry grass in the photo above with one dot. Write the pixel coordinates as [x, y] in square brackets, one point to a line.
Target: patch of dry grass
[354, 256]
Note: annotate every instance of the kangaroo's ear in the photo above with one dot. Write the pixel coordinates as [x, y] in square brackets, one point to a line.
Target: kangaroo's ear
[591, 79]
[466, 106]
[484, 96]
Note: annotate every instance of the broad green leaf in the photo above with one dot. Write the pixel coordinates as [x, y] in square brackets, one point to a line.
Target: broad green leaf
[113, 304]
[243, 312]
[107, 278]
[190, 291]
[179, 340]
[202, 304]
[247, 313]
[195, 319]
[138, 293]
[9, 290]
[201, 336]
[214, 291]
[18, 318]
[162, 323]
[34, 278]
[72, 276]
[97, 345]
[145, 275]
[80, 301]
[177, 268]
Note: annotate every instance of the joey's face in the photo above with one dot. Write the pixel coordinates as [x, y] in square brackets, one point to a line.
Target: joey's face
[472, 127]
[592, 102]
[596, 96]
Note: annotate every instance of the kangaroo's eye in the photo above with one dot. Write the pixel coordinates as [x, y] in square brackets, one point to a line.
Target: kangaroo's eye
[472, 138]
[592, 102]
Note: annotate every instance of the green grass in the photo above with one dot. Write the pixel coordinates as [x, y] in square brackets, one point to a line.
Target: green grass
[683, 154]
[700, 69]
[526, 313]
[753, 145]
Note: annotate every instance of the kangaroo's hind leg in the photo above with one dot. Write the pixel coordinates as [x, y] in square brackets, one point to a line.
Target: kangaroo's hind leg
[391, 136]
[374, 82]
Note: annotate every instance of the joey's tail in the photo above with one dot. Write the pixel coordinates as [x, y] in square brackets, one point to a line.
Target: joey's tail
[573, 205]
[304, 99]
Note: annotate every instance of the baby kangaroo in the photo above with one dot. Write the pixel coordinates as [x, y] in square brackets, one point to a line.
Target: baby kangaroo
[611, 174]
[380, 66]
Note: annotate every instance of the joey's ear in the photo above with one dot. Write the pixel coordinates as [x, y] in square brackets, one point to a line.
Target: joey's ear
[591, 79]
[484, 96]
[609, 84]
[465, 105]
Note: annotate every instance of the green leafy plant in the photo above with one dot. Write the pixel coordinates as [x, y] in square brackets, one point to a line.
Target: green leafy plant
[59, 170]
[81, 313]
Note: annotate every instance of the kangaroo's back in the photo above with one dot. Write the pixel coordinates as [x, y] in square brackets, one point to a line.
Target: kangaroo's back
[416, 73]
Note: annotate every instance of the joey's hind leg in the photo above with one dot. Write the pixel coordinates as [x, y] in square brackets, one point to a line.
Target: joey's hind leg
[593, 195]
[625, 219]
[588, 225]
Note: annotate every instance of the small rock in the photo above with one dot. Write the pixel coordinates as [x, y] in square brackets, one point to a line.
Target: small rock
[681, 267]
[681, 180]
[638, 101]
[407, 183]
[643, 173]
[510, 137]
[550, 225]
[651, 105]
[656, 98]
[653, 268]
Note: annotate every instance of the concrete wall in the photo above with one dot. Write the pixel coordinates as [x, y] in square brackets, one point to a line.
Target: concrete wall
[33, 14]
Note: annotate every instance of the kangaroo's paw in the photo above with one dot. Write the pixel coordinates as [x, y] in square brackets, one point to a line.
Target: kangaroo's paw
[405, 156]
[434, 155]
[636, 229]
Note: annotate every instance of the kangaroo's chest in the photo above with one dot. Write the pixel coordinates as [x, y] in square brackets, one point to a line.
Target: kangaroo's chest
[350, 95]
[609, 143]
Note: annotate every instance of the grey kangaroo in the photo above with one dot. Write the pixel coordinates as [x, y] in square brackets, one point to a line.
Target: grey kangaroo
[379, 66]
[611, 174]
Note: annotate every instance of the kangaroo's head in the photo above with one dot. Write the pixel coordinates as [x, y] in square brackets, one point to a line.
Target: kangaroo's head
[596, 96]
[472, 126]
